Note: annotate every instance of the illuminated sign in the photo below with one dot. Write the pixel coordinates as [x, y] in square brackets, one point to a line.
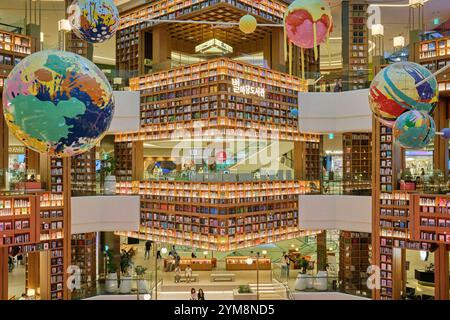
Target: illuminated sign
[16, 149]
[247, 89]
[214, 46]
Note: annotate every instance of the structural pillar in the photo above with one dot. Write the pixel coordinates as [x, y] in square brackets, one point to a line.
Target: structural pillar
[161, 46]
[4, 144]
[4, 273]
[441, 283]
[278, 61]
[322, 251]
[440, 154]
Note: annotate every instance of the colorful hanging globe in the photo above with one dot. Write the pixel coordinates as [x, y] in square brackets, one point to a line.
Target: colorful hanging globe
[247, 24]
[414, 129]
[308, 23]
[58, 103]
[93, 20]
[393, 91]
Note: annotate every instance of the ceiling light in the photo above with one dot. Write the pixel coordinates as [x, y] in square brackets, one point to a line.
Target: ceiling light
[214, 46]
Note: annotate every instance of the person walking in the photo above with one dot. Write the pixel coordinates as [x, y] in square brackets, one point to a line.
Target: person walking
[200, 295]
[188, 273]
[148, 247]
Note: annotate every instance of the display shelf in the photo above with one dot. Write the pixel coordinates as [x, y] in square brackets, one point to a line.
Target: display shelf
[432, 218]
[355, 255]
[13, 48]
[217, 216]
[240, 263]
[18, 221]
[357, 162]
[434, 49]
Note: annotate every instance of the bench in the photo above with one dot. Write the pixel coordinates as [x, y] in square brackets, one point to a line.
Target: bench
[194, 277]
[222, 277]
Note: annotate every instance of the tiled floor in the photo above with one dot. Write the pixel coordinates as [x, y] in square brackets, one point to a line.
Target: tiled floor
[16, 281]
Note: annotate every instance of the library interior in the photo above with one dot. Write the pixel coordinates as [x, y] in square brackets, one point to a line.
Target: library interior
[224, 150]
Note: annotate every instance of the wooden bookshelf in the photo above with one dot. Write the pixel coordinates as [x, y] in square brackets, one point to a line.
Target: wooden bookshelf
[432, 218]
[217, 216]
[312, 160]
[240, 263]
[436, 49]
[355, 252]
[83, 250]
[356, 42]
[19, 219]
[129, 160]
[357, 162]
[13, 48]
[83, 173]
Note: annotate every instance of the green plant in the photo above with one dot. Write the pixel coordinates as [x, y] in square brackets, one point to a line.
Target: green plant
[111, 266]
[108, 164]
[140, 270]
[126, 261]
[244, 288]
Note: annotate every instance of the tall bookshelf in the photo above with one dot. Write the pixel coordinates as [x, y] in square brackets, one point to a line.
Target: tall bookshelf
[13, 48]
[312, 160]
[357, 164]
[355, 251]
[129, 160]
[83, 173]
[355, 44]
[84, 256]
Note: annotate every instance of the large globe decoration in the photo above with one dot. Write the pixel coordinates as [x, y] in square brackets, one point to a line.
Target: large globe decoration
[308, 23]
[393, 91]
[414, 129]
[93, 20]
[58, 103]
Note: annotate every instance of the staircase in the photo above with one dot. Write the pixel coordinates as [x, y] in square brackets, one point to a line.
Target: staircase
[269, 291]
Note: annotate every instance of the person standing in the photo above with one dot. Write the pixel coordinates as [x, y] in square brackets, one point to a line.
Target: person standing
[188, 273]
[287, 261]
[201, 295]
[193, 294]
[148, 247]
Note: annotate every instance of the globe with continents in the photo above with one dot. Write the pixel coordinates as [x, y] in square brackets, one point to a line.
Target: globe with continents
[414, 129]
[94, 20]
[395, 90]
[58, 103]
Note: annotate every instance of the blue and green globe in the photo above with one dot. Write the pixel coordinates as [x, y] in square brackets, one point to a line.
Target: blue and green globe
[58, 103]
[414, 129]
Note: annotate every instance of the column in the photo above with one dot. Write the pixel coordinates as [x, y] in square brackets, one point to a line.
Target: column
[322, 251]
[440, 154]
[441, 283]
[4, 144]
[161, 45]
[4, 273]
[278, 61]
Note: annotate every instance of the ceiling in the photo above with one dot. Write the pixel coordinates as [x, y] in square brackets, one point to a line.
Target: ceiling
[394, 17]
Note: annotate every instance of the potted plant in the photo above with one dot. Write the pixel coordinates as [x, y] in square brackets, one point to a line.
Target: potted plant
[126, 278]
[107, 171]
[244, 292]
[111, 283]
[141, 284]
